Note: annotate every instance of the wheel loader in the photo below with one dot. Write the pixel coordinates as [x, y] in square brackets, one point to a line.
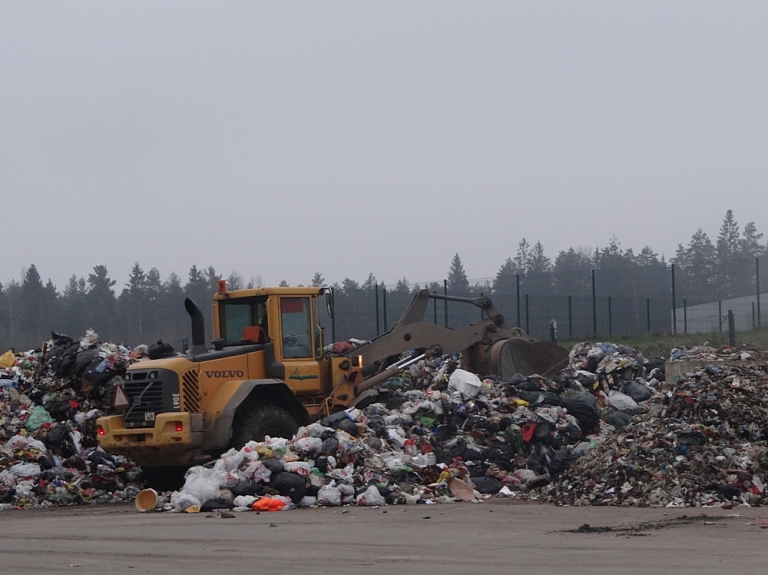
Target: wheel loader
[266, 372]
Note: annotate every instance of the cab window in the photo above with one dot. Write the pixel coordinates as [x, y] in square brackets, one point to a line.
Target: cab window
[237, 315]
[296, 327]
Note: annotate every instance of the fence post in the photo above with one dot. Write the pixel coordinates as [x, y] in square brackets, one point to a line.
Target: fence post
[378, 331]
[757, 283]
[384, 297]
[685, 316]
[445, 292]
[570, 318]
[517, 281]
[731, 328]
[594, 306]
[720, 314]
[674, 304]
[527, 326]
[610, 317]
[648, 313]
[753, 316]
[434, 305]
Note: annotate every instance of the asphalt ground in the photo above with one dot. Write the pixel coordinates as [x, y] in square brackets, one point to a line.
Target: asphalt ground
[496, 536]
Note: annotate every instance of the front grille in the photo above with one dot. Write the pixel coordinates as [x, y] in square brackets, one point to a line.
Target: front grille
[146, 398]
[191, 391]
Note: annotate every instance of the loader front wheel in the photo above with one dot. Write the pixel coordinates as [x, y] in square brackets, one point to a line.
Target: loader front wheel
[256, 424]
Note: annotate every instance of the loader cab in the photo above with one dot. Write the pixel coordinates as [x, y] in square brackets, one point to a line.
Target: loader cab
[287, 318]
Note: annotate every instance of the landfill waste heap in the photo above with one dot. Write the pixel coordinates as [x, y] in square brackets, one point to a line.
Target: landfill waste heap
[50, 399]
[606, 430]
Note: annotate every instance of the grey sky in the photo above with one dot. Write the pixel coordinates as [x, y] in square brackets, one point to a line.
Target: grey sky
[283, 138]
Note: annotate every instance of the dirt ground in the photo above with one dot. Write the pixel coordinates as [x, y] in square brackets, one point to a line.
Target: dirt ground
[497, 536]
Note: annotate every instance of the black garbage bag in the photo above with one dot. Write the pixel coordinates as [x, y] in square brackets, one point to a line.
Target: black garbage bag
[486, 484]
[65, 360]
[84, 359]
[348, 426]
[274, 465]
[655, 363]
[585, 414]
[543, 433]
[615, 417]
[289, 485]
[247, 487]
[97, 374]
[160, 350]
[330, 446]
[561, 461]
[636, 390]
[692, 438]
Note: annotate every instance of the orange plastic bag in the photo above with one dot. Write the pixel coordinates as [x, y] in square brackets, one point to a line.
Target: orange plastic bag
[268, 504]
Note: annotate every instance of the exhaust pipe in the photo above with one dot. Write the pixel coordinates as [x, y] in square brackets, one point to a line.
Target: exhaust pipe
[198, 327]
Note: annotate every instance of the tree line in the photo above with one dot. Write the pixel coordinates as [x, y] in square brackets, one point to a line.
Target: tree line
[148, 307]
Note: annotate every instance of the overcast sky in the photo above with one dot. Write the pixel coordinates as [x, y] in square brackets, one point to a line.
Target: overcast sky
[279, 139]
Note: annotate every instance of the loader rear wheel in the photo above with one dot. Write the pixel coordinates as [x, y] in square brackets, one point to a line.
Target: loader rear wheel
[256, 424]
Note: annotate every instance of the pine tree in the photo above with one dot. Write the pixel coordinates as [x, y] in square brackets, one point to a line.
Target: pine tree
[727, 261]
[458, 284]
[317, 280]
[571, 274]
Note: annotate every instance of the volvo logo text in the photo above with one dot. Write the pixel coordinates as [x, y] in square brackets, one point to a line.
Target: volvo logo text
[230, 374]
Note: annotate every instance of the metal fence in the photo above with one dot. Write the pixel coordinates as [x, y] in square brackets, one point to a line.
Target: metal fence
[608, 303]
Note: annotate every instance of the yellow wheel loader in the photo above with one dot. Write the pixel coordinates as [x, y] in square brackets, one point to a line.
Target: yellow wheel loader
[266, 372]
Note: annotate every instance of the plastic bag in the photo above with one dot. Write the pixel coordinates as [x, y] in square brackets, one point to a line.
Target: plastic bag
[329, 496]
[19, 441]
[622, 402]
[231, 460]
[202, 483]
[371, 496]
[289, 485]
[309, 445]
[298, 467]
[26, 470]
[637, 391]
[270, 504]
[466, 383]
[8, 359]
[37, 418]
[185, 502]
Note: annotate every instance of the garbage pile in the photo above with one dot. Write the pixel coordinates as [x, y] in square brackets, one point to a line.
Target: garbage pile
[49, 401]
[443, 435]
[707, 353]
[702, 442]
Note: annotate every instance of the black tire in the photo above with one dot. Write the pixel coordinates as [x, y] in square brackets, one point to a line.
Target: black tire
[256, 424]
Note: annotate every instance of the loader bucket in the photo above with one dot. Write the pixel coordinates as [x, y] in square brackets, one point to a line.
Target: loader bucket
[516, 355]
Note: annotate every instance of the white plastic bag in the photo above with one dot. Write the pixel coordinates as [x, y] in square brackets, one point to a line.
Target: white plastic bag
[370, 497]
[329, 496]
[26, 470]
[621, 401]
[202, 483]
[182, 501]
[466, 383]
[298, 467]
[309, 445]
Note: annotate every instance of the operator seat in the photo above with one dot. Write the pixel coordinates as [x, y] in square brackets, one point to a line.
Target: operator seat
[254, 333]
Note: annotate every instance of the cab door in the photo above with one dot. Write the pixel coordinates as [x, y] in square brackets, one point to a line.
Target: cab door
[301, 345]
